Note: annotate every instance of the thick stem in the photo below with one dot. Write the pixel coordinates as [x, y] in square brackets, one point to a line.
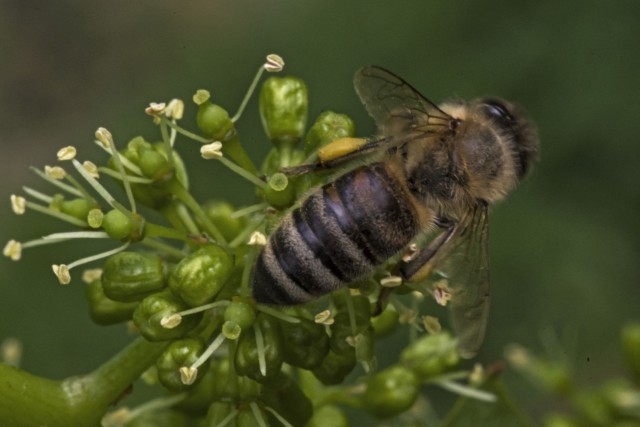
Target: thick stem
[236, 151]
[29, 400]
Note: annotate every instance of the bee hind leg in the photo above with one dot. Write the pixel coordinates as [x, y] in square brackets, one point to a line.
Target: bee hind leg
[336, 154]
[418, 265]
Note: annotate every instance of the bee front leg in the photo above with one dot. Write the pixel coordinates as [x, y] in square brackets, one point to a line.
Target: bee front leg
[418, 265]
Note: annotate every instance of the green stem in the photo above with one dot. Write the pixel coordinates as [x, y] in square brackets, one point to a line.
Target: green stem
[236, 151]
[60, 215]
[29, 400]
[163, 247]
[501, 391]
[249, 176]
[243, 236]
[504, 399]
[339, 395]
[185, 132]
[181, 193]
[249, 261]
[156, 230]
[171, 214]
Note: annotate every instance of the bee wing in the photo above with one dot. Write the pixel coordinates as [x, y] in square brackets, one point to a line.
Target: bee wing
[465, 265]
[396, 106]
[401, 113]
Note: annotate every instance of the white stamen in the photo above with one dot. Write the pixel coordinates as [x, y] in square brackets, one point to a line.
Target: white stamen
[92, 274]
[257, 239]
[13, 250]
[212, 150]
[91, 168]
[188, 375]
[175, 109]
[155, 108]
[104, 137]
[67, 153]
[324, 318]
[274, 63]
[18, 204]
[55, 172]
[62, 273]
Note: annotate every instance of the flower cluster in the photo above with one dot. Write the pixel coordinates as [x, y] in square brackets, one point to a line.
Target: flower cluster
[186, 282]
[614, 402]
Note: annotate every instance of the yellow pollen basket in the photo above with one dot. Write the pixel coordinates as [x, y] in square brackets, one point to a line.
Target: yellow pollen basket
[340, 148]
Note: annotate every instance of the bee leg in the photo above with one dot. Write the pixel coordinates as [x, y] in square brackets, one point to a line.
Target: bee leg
[382, 301]
[334, 162]
[407, 270]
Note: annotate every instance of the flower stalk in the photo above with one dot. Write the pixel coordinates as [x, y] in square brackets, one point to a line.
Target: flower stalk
[75, 401]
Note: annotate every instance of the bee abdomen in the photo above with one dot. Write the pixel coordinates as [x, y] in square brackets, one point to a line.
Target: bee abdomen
[339, 234]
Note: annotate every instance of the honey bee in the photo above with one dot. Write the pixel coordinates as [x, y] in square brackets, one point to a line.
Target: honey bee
[434, 169]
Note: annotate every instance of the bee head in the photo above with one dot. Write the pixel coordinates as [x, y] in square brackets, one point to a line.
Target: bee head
[513, 122]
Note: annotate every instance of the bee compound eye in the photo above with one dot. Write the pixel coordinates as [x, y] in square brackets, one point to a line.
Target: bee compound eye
[498, 111]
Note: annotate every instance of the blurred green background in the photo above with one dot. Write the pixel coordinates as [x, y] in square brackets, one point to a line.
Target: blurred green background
[565, 247]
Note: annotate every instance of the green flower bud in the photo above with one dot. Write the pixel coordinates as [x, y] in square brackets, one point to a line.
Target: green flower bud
[178, 354]
[117, 225]
[240, 312]
[361, 304]
[78, 208]
[103, 310]
[220, 214]
[343, 335]
[248, 355]
[554, 375]
[385, 323]
[200, 396]
[593, 408]
[307, 343]
[131, 276]
[283, 109]
[148, 317]
[328, 416]
[279, 193]
[335, 367]
[631, 349]
[225, 380]
[277, 159]
[153, 195]
[391, 392]
[247, 418]
[218, 412]
[286, 397]
[620, 397]
[56, 202]
[431, 355]
[199, 277]
[557, 420]
[214, 122]
[153, 164]
[328, 127]
[363, 343]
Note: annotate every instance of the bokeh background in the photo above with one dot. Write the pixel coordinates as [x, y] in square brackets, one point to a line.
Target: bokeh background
[565, 247]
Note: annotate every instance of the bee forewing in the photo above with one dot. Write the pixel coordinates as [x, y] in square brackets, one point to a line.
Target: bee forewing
[396, 106]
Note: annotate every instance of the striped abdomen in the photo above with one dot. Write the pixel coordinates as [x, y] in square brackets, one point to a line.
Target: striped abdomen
[339, 234]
